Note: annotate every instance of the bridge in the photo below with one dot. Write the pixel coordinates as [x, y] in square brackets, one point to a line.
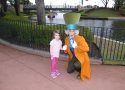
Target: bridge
[52, 7]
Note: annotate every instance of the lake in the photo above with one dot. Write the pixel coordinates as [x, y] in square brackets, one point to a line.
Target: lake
[83, 22]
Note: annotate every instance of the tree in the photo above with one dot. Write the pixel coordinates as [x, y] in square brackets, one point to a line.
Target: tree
[118, 4]
[4, 5]
[16, 4]
[105, 2]
[17, 7]
[40, 11]
[25, 1]
[1, 9]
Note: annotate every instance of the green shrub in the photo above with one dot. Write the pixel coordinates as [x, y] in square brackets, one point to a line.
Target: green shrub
[122, 10]
[118, 30]
[82, 12]
[37, 35]
[11, 15]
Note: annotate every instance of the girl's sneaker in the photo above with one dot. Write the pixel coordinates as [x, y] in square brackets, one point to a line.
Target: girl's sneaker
[57, 72]
[53, 75]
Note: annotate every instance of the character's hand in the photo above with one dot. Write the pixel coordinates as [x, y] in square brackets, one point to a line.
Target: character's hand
[74, 45]
[64, 47]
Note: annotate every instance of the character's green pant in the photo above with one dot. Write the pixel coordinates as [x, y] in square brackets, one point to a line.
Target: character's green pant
[74, 65]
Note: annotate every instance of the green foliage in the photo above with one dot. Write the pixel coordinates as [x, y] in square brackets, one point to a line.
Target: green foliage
[11, 15]
[123, 6]
[118, 30]
[82, 13]
[122, 10]
[87, 34]
[117, 24]
[36, 35]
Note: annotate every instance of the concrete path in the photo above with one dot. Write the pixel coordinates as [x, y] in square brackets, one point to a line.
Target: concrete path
[116, 18]
[23, 71]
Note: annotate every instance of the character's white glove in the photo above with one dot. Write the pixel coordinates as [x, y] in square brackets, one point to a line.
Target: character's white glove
[74, 45]
[64, 47]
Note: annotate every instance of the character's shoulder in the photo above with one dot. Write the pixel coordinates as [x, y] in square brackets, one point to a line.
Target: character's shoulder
[79, 37]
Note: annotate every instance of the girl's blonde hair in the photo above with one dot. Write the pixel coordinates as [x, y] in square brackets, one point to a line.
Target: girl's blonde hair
[54, 32]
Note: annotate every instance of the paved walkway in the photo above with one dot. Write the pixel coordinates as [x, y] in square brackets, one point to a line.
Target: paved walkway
[23, 71]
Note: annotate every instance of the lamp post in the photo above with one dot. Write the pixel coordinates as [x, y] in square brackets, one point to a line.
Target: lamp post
[50, 4]
[65, 4]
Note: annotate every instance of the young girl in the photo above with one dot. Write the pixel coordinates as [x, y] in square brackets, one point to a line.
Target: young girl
[55, 47]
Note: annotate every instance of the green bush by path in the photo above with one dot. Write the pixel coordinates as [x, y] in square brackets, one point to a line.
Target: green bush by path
[37, 35]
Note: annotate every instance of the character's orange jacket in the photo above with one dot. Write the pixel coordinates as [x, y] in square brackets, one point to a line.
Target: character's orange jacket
[81, 52]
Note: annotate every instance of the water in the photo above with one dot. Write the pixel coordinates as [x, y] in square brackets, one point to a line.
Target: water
[83, 22]
[95, 24]
[58, 19]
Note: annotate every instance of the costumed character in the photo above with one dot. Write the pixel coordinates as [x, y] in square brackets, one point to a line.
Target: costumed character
[76, 47]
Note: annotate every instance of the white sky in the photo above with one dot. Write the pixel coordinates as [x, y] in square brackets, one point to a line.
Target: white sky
[75, 2]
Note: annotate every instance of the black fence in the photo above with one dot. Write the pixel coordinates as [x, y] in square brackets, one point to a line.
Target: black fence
[105, 43]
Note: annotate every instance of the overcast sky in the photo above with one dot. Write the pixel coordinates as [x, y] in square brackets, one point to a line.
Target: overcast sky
[75, 2]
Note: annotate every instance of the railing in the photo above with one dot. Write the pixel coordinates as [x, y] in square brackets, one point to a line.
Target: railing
[105, 43]
[51, 7]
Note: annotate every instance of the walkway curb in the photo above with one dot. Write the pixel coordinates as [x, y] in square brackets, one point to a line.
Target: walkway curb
[103, 18]
[42, 53]
[30, 50]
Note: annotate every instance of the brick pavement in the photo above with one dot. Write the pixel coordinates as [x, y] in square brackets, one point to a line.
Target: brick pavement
[23, 71]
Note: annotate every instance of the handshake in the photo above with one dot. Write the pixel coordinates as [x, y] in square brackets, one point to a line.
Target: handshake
[64, 47]
[74, 45]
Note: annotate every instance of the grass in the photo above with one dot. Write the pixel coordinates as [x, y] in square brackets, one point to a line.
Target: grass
[11, 15]
[103, 13]
[116, 62]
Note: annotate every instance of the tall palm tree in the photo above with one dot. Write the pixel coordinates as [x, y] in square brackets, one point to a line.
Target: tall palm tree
[40, 11]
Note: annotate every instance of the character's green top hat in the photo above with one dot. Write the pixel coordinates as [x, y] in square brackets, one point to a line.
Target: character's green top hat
[72, 20]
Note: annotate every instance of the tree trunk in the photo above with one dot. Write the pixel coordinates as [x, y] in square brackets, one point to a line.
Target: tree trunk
[17, 7]
[105, 2]
[40, 11]
[1, 9]
[4, 5]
